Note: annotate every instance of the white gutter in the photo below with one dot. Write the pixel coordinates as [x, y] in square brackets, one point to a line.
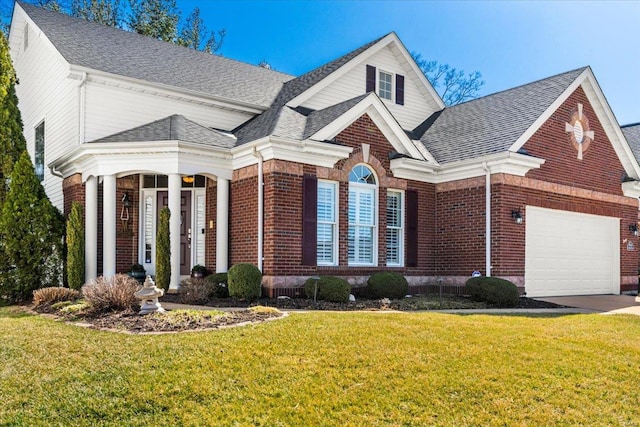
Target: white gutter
[257, 154]
[487, 208]
[82, 94]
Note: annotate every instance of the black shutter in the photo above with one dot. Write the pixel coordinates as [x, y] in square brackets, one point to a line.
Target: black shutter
[412, 228]
[309, 219]
[371, 78]
[399, 89]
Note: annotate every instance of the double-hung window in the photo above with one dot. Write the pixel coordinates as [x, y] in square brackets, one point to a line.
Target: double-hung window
[385, 85]
[39, 152]
[395, 228]
[362, 216]
[327, 223]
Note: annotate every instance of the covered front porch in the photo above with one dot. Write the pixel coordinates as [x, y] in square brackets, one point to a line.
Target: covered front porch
[125, 179]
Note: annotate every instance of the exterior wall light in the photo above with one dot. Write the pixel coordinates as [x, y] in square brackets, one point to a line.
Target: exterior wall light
[517, 216]
[633, 228]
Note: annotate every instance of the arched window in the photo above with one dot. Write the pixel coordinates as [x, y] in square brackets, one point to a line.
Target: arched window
[362, 236]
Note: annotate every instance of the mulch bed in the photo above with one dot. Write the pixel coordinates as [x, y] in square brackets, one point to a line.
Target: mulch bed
[405, 304]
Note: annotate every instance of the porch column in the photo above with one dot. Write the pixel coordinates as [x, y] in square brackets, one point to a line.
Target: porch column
[91, 229]
[222, 225]
[109, 225]
[175, 188]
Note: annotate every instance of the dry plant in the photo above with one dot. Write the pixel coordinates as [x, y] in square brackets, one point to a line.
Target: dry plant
[53, 295]
[114, 293]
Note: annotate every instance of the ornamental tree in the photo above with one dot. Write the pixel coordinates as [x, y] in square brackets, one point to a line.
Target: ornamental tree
[163, 250]
[31, 236]
[75, 247]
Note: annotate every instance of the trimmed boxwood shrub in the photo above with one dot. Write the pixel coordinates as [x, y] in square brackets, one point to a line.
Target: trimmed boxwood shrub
[492, 290]
[244, 281]
[163, 250]
[330, 288]
[217, 284]
[387, 284]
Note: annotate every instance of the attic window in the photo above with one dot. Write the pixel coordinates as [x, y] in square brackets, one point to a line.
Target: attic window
[381, 82]
[385, 83]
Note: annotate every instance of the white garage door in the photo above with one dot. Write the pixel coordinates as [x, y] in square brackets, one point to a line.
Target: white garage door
[570, 253]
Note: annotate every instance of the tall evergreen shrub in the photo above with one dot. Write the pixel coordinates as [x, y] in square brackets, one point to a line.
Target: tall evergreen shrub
[12, 142]
[31, 236]
[75, 247]
[163, 250]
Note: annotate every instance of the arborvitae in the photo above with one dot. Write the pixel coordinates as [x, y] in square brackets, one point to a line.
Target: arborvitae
[31, 236]
[163, 250]
[75, 247]
[12, 142]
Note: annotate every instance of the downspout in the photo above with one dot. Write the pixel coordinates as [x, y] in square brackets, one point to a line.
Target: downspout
[257, 154]
[487, 209]
[81, 107]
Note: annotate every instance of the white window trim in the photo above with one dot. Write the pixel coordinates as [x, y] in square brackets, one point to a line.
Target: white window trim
[376, 203]
[401, 228]
[336, 215]
[391, 90]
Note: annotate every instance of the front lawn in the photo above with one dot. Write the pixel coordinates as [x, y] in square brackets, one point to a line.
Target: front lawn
[326, 369]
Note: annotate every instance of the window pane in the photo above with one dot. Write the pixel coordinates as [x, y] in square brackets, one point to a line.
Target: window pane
[394, 232]
[162, 181]
[385, 85]
[148, 228]
[149, 181]
[326, 223]
[362, 174]
[39, 152]
[200, 229]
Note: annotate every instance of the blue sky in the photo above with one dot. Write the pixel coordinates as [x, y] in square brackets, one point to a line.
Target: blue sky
[510, 43]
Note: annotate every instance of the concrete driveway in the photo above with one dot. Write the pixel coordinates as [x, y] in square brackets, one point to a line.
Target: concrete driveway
[608, 304]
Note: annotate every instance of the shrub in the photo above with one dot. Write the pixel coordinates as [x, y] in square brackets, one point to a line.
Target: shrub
[217, 285]
[31, 236]
[75, 247]
[194, 291]
[330, 288]
[52, 295]
[387, 284]
[114, 293]
[199, 271]
[492, 290]
[244, 281]
[163, 251]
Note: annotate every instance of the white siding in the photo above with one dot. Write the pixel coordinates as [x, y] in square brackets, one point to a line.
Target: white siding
[417, 107]
[111, 109]
[44, 93]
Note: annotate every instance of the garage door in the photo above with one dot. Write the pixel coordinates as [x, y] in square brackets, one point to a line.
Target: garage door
[569, 253]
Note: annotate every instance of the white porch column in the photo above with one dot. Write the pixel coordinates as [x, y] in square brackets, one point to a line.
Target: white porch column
[109, 225]
[222, 225]
[175, 188]
[91, 229]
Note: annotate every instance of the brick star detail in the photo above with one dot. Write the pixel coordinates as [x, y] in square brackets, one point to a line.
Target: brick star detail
[578, 129]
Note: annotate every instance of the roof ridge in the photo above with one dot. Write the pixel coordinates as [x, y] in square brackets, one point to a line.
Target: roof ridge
[26, 6]
[581, 69]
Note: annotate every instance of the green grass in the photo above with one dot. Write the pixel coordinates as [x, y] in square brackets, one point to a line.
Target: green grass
[318, 368]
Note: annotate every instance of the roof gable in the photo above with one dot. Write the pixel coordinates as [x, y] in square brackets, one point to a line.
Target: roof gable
[113, 51]
[493, 123]
[315, 81]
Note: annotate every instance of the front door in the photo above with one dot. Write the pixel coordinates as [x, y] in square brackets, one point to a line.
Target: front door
[185, 227]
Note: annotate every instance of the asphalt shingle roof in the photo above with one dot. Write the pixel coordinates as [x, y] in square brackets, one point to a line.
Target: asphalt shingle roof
[173, 128]
[123, 53]
[632, 134]
[491, 124]
[321, 118]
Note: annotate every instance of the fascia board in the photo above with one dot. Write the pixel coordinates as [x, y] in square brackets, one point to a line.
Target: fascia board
[315, 153]
[611, 127]
[631, 189]
[109, 79]
[426, 84]
[164, 157]
[508, 163]
[548, 112]
[298, 100]
[381, 116]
